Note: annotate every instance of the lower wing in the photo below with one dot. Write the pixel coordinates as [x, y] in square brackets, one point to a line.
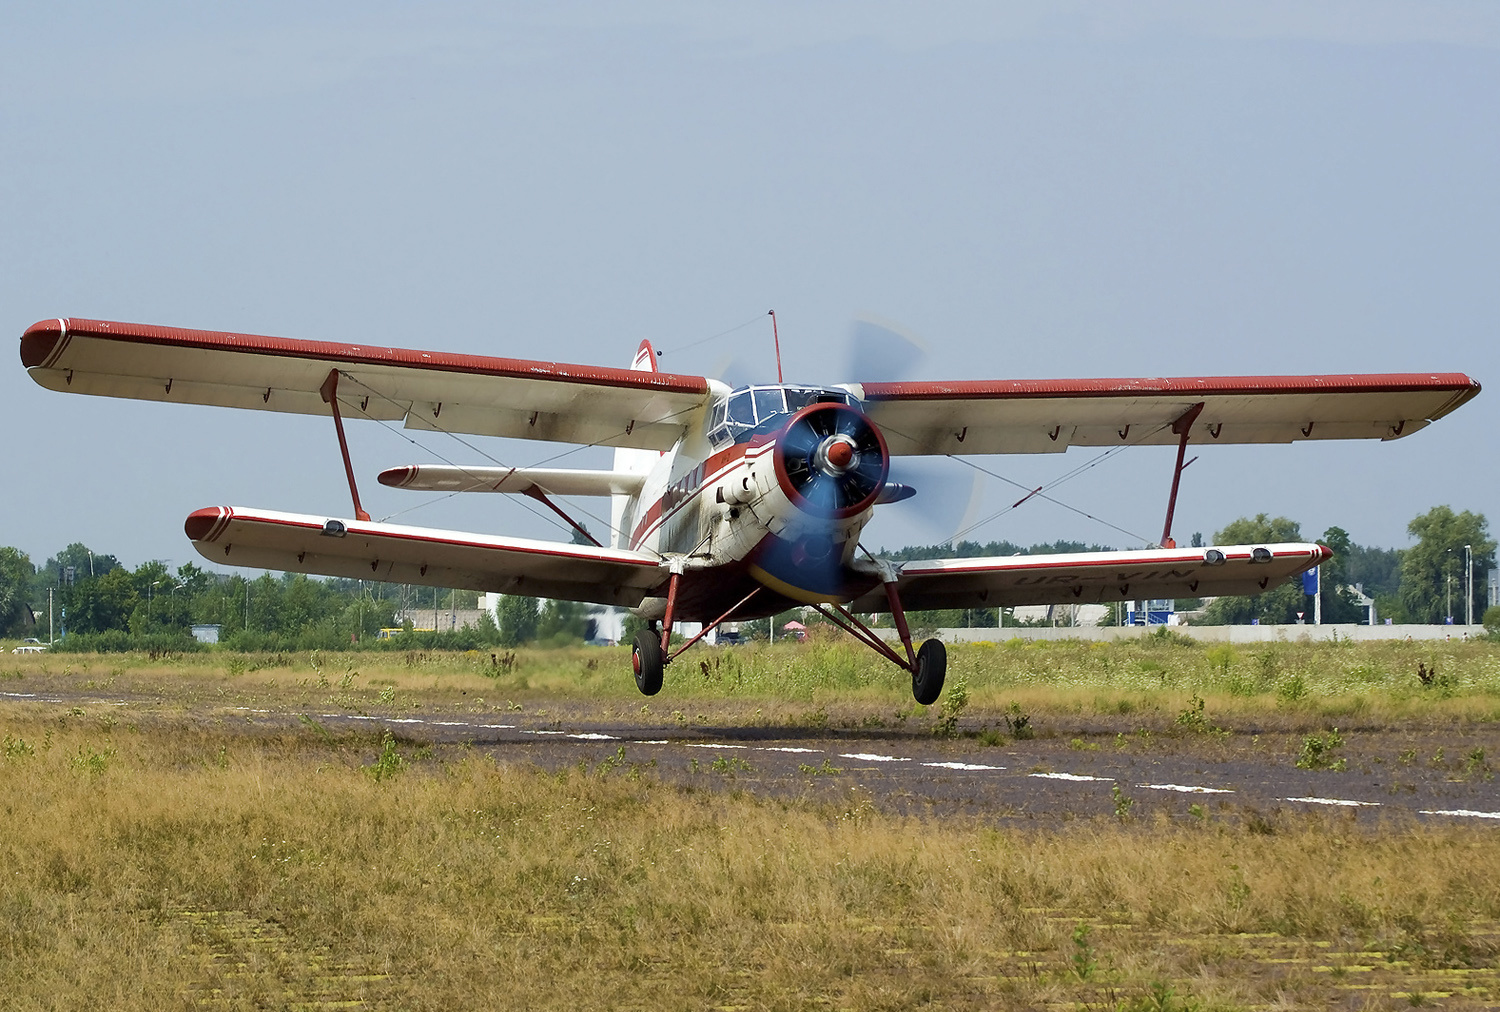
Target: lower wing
[1097, 577]
[392, 553]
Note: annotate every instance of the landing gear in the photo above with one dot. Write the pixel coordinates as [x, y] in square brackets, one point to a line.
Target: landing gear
[646, 658]
[927, 674]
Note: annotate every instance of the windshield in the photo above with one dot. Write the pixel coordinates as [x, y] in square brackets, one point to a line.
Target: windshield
[764, 408]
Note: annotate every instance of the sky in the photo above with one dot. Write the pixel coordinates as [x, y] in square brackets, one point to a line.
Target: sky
[1037, 190]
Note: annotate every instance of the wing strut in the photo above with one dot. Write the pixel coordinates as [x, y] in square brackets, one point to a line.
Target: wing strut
[1181, 427]
[330, 392]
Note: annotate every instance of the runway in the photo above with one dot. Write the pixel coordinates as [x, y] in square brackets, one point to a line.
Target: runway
[1069, 771]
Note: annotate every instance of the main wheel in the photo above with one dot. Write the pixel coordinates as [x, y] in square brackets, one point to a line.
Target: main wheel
[646, 658]
[932, 665]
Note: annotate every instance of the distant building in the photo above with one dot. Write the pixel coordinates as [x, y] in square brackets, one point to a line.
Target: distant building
[206, 633]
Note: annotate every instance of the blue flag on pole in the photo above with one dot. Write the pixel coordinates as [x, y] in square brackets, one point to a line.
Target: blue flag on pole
[1310, 581]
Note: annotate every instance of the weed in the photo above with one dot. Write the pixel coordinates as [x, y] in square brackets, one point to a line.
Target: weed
[1318, 752]
[322, 731]
[1194, 720]
[222, 759]
[1407, 756]
[1293, 690]
[611, 762]
[91, 761]
[16, 748]
[390, 762]
[1082, 961]
[991, 736]
[1123, 804]
[388, 695]
[1019, 723]
[1438, 760]
[730, 765]
[1198, 812]
[953, 705]
[828, 769]
[1475, 764]
[1079, 745]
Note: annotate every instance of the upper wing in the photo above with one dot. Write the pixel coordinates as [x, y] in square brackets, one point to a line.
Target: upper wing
[428, 390]
[263, 539]
[1048, 416]
[1096, 577]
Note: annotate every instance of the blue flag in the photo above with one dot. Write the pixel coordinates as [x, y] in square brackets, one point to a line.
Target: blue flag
[1310, 581]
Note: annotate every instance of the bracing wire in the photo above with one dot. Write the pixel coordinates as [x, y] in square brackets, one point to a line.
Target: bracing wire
[1041, 491]
[490, 457]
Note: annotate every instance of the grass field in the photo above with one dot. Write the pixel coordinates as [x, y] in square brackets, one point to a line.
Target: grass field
[165, 863]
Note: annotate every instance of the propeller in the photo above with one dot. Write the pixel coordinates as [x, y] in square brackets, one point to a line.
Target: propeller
[881, 351]
[831, 461]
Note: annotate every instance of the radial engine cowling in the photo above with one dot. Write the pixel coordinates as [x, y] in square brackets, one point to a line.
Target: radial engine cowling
[831, 461]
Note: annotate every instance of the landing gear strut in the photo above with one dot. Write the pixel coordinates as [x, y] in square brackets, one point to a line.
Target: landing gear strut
[928, 665]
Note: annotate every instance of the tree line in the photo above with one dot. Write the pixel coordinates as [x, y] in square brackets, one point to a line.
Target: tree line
[102, 604]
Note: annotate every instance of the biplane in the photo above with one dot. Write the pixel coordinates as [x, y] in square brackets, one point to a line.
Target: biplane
[725, 504]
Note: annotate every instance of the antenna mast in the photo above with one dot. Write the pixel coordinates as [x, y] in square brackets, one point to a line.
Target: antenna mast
[777, 338]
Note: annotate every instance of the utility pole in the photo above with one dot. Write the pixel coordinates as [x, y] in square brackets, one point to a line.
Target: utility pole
[1469, 586]
[1318, 599]
[49, 616]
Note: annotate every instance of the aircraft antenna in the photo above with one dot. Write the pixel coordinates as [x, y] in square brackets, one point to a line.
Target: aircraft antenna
[777, 338]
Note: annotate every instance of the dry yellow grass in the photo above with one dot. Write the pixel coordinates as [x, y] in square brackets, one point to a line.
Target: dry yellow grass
[176, 867]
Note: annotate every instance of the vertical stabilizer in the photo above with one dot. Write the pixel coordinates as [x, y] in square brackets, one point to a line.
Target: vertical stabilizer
[632, 460]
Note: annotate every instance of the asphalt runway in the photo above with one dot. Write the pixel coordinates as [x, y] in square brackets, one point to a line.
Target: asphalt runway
[1079, 770]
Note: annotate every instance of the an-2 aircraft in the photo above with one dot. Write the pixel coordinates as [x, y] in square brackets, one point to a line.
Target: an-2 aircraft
[726, 505]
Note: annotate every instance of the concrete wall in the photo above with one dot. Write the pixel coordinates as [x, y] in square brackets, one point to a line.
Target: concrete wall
[1213, 633]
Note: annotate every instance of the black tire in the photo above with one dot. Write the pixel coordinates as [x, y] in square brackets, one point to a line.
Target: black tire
[932, 666]
[646, 658]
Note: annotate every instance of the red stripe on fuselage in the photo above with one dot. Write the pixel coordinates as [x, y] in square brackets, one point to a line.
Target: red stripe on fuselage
[710, 471]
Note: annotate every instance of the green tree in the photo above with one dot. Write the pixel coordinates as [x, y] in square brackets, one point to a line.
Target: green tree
[16, 573]
[102, 603]
[518, 620]
[562, 622]
[1278, 606]
[1338, 603]
[1433, 572]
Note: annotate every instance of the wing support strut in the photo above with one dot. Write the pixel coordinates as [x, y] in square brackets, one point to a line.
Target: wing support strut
[1182, 427]
[330, 392]
[541, 497]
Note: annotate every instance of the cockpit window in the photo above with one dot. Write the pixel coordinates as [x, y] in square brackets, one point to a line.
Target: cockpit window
[761, 408]
[769, 402]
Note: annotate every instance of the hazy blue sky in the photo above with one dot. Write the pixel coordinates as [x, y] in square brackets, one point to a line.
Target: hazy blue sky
[1038, 190]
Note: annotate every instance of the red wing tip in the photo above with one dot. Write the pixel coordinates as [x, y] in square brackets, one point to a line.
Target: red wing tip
[204, 524]
[398, 477]
[39, 340]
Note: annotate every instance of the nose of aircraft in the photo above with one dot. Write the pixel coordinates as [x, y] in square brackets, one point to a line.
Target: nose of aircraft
[837, 453]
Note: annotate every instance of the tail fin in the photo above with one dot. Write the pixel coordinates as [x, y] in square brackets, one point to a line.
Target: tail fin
[631, 460]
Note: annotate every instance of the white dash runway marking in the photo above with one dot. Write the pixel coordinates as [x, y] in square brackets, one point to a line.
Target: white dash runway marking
[591, 736]
[785, 748]
[1184, 789]
[1068, 776]
[1464, 812]
[501, 727]
[699, 744]
[1342, 802]
[964, 766]
[871, 757]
